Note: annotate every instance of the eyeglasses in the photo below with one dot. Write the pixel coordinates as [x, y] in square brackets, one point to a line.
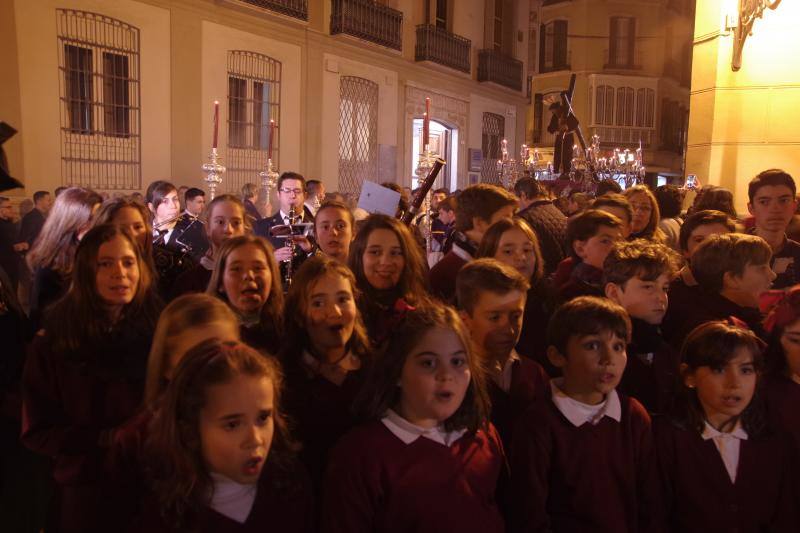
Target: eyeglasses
[296, 192]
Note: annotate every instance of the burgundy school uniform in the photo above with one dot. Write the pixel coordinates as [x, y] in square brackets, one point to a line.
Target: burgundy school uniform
[319, 412]
[698, 493]
[282, 504]
[533, 338]
[652, 368]
[683, 299]
[585, 280]
[69, 401]
[782, 398]
[377, 482]
[529, 382]
[264, 339]
[563, 272]
[442, 277]
[588, 478]
[192, 281]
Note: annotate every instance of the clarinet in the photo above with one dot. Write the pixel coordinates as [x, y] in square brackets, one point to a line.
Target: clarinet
[422, 191]
[290, 238]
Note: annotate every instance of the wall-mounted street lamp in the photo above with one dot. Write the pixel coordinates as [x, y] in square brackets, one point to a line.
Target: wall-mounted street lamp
[749, 11]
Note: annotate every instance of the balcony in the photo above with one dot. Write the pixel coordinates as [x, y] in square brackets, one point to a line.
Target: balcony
[441, 46]
[368, 21]
[499, 68]
[293, 8]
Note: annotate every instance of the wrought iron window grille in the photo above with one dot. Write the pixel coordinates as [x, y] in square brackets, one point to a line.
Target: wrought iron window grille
[358, 134]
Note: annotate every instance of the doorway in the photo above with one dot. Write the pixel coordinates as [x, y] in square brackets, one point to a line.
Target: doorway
[442, 141]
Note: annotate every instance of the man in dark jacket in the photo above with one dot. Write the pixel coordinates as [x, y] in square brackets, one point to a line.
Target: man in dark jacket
[33, 221]
[546, 220]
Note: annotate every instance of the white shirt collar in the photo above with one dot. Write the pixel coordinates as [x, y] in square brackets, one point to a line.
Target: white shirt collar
[503, 380]
[207, 263]
[578, 413]
[299, 215]
[728, 445]
[408, 432]
[232, 499]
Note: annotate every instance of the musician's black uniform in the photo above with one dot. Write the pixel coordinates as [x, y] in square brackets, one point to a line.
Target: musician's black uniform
[190, 233]
[262, 229]
[171, 258]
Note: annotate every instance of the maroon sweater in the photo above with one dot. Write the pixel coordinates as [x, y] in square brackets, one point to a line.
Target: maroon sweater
[442, 277]
[529, 382]
[283, 503]
[782, 397]
[590, 478]
[698, 494]
[376, 482]
[69, 402]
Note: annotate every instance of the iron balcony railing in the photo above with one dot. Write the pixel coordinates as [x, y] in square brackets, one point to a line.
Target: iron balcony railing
[293, 8]
[369, 21]
[441, 46]
[499, 68]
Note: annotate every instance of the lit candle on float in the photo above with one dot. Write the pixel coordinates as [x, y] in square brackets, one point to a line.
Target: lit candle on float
[271, 136]
[216, 123]
[425, 131]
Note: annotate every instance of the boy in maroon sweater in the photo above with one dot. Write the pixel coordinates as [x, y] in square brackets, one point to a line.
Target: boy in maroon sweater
[477, 208]
[491, 301]
[590, 237]
[637, 275]
[583, 460]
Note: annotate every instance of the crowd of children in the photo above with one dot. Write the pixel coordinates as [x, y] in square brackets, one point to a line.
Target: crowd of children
[590, 373]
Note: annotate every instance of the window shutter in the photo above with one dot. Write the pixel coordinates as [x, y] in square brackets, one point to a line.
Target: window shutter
[631, 40]
[560, 44]
[613, 36]
[538, 112]
[542, 32]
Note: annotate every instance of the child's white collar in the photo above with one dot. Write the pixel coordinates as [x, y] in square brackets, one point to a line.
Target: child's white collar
[232, 499]
[578, 413]
[408, 432]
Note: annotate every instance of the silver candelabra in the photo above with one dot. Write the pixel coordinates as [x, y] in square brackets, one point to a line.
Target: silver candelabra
[214, 171]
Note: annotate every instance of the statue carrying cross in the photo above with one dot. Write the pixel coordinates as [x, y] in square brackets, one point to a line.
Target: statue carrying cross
[566, 127]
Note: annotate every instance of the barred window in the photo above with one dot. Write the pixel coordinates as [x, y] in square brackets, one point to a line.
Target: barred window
[99, 93]
[622, 39]
[493, 131]
[253, 100]
[358, 134]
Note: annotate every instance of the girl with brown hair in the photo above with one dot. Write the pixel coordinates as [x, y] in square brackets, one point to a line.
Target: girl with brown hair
[53, 254]
[325, 358]
[219, 453]
[427, 457]
[646, 215]
[246, 276]
[390, 273]
[85, 374]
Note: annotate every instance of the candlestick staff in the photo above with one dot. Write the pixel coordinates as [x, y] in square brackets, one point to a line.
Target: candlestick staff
[213, 168]
[269, 177]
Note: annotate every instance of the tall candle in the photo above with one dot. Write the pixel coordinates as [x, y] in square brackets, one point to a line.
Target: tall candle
[271, 136]
[216, 122]
[425, 131]
[427, 125]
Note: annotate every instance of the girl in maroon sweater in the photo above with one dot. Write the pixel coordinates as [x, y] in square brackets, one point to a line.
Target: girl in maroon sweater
[326, 358]
[246, 276]
[224, 218]
[720, 469]
[85, 374]
[218, 451]
[428, 460]
[782, 381]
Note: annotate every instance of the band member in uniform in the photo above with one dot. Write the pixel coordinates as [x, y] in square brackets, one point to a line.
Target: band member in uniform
[189, 230]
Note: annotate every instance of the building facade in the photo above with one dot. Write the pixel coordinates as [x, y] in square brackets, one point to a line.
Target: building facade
[115, 94]
[632, 59]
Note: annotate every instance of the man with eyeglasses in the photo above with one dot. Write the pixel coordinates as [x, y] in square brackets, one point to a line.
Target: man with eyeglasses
[291, 193]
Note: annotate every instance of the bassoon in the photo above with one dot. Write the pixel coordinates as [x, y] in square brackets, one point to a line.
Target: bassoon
[422, 191]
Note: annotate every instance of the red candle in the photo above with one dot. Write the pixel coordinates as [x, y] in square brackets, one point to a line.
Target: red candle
[424, 130]
[216, 122]
[271, 135]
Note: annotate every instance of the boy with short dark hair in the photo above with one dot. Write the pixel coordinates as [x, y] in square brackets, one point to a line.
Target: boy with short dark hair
[637, 275]
[773, 204]
[477, 208]
[732, 271]
[491, 301]
[590, 237]
[583, 459]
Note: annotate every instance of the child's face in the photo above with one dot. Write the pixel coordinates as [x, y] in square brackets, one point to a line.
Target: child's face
[622, 215]
[516, 249]
[701, 233]
[236, 427]
[592, 366]
[117, 272]
[191, 337]
[755, 279]
[247, 279]
[725, 392]
[131, 218]
[790, 342]
[331, 313]
[773, 207]
[225, 222]
[642, 299]
[496, 322]
[434, 379]
[593, 251]
[383, 259]
[334, 233]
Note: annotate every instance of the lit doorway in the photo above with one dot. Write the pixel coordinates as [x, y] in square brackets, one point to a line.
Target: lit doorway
[442, 141]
